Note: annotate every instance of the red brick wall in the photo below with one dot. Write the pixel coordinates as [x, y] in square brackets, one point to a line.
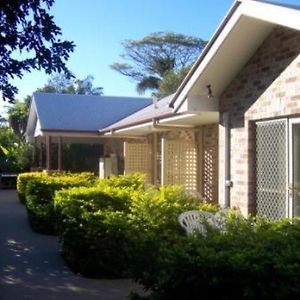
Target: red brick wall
[267, 87]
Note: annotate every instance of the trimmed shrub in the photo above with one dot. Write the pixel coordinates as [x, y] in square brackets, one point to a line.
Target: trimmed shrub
[250, 261]
[105, 229]
[24, 178]
[22, 181]
[39, 198]
[93, 226]
[154, 224]
[134, 181]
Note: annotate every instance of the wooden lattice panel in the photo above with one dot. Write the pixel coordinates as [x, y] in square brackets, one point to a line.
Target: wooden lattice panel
[180, 164]
[137, 158]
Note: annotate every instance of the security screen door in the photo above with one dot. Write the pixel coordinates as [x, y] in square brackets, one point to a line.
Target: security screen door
[277, 166]
[294, 167]
[271, 169]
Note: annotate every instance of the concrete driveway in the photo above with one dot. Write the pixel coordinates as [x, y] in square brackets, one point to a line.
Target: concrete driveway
[31, 266]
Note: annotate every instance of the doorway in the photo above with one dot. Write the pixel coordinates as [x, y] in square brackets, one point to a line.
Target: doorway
[277, 168]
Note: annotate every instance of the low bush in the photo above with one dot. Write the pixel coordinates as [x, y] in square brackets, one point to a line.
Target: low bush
[134, 181]
[22, 181]
[105, 229]
[93, 225]
[154, 223]
[250, 261]
[39, 198]
[24, 178]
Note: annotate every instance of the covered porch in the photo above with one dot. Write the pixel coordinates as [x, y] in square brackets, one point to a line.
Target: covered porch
[171, 148]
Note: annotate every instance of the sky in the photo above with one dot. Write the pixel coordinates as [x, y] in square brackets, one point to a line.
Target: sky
[98, 28]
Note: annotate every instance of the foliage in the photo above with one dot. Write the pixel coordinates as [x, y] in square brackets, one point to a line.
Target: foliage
[40, 192]
[28, 30]
[14, 152]
[103, 229]
[251, 261]
[18, 115]
[134, 181]
[151, 58]
[171, 82]
[92, 228]
[61, 84]
[23, 180]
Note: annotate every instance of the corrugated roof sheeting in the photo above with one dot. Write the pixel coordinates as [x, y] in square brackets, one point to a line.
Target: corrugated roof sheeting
[83, 113]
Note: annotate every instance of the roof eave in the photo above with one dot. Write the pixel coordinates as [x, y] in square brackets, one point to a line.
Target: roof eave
[231, 11]
[145, 121]
[265, 11]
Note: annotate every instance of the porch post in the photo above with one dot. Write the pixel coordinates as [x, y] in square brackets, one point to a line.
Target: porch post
[59, 154]
[200, 156]
[48, 153]
[33, 151]
[154, 158]
[163, 179]
[40, 154]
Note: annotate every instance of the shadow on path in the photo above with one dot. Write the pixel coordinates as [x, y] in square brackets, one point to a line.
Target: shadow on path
[31, 266]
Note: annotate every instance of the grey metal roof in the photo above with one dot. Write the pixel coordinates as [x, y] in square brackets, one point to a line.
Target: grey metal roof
[64, 112]
[148, 113]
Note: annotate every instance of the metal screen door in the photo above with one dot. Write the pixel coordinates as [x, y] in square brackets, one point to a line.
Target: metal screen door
[294, 167]
[272, 169]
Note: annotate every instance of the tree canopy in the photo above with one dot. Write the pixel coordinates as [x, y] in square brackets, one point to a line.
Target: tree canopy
[64, 85]
[29, 40]
[157, 55]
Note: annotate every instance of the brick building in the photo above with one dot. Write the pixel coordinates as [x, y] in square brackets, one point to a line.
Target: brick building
[232, 130]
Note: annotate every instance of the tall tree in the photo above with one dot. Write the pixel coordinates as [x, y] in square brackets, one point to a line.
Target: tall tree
[150, 59]
[63, 85]
[18, 115]
[29, 39]
[171, 82]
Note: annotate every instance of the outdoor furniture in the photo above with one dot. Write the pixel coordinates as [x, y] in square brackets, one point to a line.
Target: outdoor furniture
[195, 220]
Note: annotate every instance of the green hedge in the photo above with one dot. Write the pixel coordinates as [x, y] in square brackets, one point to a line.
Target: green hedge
[22, 181]
[250, 261]
[92, 226]
[102, 228]
[39, 197]
[24, 178]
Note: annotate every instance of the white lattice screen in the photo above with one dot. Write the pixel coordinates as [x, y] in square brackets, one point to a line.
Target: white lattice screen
[271, 169]
[138, 159]
[180, 164]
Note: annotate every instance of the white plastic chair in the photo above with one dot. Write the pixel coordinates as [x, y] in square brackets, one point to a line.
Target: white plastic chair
[195, 220]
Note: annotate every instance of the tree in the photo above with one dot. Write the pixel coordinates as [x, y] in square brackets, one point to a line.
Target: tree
[18, 115]
[171, 82]
[156, 55]
[14, 152]
[63, 85]
[29, 40]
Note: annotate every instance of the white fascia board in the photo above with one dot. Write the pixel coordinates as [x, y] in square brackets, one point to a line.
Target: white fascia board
[70, 134]
[208, 57]
[135, 127]
[176, 118]
[279, 15]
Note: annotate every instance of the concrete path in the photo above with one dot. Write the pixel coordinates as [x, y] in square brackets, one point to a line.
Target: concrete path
[31, 267]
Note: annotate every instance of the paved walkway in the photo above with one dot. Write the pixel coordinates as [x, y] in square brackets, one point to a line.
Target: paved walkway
[31, 267]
